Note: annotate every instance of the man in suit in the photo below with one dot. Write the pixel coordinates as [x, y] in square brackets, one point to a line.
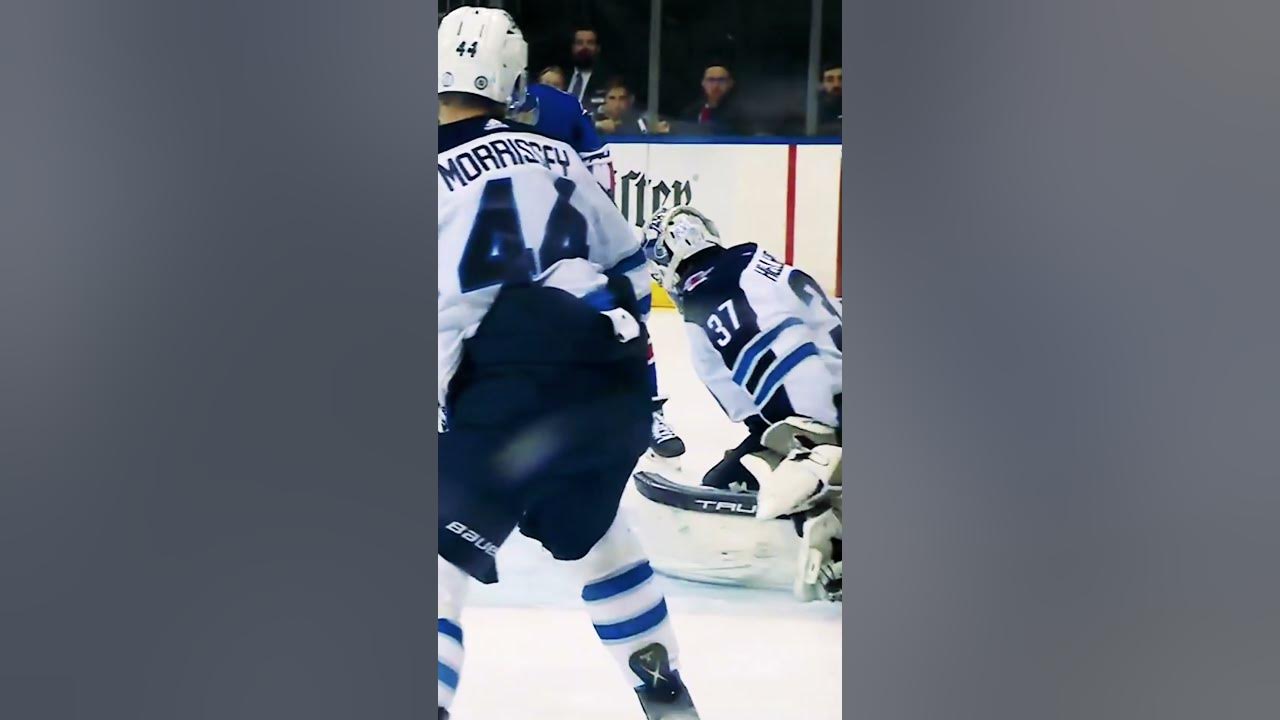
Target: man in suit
[589, 80]
[716, 112]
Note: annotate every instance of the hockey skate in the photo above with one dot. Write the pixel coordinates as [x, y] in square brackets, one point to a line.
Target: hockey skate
[663, 695]
[663, 441]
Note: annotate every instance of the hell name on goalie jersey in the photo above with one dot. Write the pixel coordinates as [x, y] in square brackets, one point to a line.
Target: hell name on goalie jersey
[767, 343]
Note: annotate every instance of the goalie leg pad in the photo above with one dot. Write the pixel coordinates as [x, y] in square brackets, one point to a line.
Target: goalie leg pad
[820, 573]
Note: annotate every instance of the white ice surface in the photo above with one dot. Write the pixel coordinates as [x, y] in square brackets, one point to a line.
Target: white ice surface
[745, 654]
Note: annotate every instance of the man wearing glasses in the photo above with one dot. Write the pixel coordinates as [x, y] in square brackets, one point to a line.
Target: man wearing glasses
[716, 112]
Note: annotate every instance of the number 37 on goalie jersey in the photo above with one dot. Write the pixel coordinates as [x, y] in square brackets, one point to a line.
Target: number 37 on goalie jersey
[765, 338]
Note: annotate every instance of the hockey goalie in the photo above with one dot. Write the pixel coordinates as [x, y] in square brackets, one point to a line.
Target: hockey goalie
[766, 341]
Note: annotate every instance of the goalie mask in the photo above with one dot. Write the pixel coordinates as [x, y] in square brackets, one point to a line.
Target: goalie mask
[481, 51]
[674, 235]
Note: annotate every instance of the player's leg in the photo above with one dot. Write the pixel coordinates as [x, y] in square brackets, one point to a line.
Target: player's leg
[623, 597]
[577, 520]
[629, 612]
[451, 594]
[479, 507]
[730, 473]
[663, 440]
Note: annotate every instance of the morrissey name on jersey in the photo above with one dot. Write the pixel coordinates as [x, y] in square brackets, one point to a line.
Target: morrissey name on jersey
[497, 154]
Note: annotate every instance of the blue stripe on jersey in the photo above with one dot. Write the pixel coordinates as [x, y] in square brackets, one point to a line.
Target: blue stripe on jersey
[618, 584]
[602, 299]
[628, 263]
[449, 628]
[645, 305]
[783, 367]
[638, 625]
[447, 675]
[757, 346]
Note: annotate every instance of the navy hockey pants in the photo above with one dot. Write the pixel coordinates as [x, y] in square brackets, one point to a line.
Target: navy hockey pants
[547, 417]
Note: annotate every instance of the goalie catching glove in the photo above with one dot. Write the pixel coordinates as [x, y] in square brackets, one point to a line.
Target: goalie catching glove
[808, 475]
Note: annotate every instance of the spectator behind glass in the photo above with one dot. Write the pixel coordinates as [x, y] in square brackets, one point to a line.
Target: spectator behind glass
[716, 112]
[590, 78]
[554, 76]
[619, 115]
[830, 113]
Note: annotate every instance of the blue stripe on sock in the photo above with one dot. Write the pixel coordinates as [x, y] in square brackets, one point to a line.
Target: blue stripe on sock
[618, 584]
[638, 625]
[449, 628]
[783, 367]
[759, 345]
[447, 675]
[601, 299]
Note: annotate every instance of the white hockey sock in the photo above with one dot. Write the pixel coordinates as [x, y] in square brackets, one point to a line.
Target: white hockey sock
[452, 591]
[623, 599]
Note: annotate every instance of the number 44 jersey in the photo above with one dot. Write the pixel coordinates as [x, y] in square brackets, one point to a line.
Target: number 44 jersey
[518, 208]
[765, 339]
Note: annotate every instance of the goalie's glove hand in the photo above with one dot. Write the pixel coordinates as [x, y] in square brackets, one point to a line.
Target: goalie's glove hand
[807, 477]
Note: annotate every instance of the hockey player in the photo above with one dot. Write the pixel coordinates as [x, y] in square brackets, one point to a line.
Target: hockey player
[767, 343]
[540, 283]
[559, 115]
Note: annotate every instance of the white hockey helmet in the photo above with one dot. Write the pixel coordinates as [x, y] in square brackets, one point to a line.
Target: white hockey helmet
[481, 51]
[671, 236]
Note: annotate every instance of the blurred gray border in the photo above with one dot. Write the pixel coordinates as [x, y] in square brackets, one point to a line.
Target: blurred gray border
[216, 467]
[1062, 401]
[432, 477]
[848, 257]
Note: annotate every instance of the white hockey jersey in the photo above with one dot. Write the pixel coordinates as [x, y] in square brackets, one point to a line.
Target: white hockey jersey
[766, 340]
[519, 207]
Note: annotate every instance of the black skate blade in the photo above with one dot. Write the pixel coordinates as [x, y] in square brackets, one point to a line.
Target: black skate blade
[662, 695]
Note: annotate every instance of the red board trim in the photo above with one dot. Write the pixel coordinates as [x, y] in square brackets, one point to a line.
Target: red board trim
[791, 205]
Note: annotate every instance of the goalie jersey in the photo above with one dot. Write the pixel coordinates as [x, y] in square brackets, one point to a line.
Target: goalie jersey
[765, 339]
[520, 208]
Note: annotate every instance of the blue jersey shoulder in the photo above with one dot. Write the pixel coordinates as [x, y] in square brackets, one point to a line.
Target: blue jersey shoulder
[560, 116]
